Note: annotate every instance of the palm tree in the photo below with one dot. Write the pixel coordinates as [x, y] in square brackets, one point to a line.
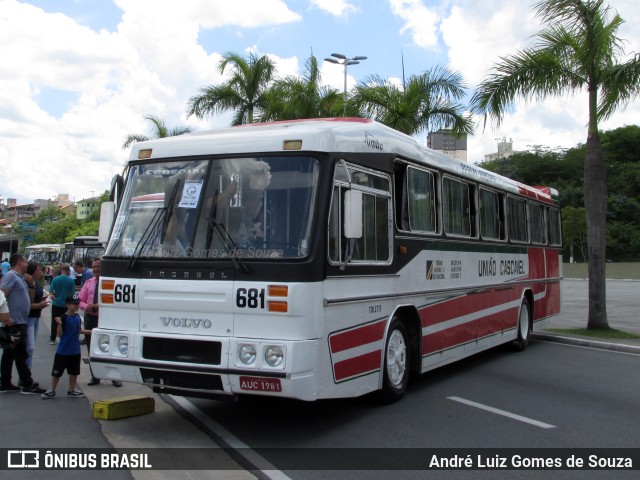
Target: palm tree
[577, 51]
[425, 102]
[244, 92]
[302, 97]
[160, 130]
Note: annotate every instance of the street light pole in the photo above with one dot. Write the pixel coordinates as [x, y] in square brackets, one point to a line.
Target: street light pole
[344, 60]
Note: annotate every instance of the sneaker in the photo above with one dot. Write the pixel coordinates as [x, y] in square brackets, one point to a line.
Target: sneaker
[75, 394]
[9, 388]
[52, 342]
[116, 383]
[34, 384]
[31, 390]
[48, 394]
[94, 381]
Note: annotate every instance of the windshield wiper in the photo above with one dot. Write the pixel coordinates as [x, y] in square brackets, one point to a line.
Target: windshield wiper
[224, 236]
[160, 214]
[169, 211]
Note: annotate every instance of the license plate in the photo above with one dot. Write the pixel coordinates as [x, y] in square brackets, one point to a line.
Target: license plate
[260, 384]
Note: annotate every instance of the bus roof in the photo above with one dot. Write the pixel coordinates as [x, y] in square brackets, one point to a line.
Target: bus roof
[348, 135]
[44, 246]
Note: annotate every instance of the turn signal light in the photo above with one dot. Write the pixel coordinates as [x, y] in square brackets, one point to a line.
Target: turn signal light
[279, 307]
[278, 290]
[108, 284]
[106, 298]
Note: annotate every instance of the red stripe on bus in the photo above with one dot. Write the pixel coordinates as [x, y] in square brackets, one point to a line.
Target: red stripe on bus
[357, 337]
[465, 305]
[369, 362]
[469, 331]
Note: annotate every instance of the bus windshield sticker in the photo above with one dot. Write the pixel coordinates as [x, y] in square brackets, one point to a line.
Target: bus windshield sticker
[190, 194]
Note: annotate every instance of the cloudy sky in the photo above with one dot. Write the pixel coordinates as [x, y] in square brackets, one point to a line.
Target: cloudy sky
[78, 76]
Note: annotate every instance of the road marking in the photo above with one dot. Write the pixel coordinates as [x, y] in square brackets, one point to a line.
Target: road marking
[502, 412]
[257, 460]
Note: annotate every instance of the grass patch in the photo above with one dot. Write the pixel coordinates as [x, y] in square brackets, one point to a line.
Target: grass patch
[597, 333]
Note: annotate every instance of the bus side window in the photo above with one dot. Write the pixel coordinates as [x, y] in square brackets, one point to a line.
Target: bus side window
[517, 219]
[492, 221]
[459, 207]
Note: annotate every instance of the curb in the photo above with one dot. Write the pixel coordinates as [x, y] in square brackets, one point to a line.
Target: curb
[582, 342]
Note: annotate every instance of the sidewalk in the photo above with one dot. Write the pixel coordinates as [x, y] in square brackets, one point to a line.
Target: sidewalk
[622, 311]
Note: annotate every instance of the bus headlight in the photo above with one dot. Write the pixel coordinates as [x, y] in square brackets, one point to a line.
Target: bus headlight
[123, 345]
[274, 356]
[103, 343]
[247, 353]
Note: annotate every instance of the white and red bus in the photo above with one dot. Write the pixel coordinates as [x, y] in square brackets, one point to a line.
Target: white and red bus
[315, 259]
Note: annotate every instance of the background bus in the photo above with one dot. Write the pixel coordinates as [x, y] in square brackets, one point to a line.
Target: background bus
[87, 248]
[46, 253]
[315, 259]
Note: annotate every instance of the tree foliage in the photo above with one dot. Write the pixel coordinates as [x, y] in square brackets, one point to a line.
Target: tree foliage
[426, 102]
[244, 93]
[296, 97]
[160, 130]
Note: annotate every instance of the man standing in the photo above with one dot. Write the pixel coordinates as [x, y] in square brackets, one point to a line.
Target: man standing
[85, 273]
[61, 287]
[89, 303]
[16, 286]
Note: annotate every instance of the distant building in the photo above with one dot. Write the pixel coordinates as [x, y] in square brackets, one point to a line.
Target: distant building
[444, 141]
[15, 213]
[63, 200]
[86, 207]
[69, 210]
[505, 150]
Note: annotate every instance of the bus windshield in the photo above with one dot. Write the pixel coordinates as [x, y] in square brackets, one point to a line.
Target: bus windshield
[248, 208]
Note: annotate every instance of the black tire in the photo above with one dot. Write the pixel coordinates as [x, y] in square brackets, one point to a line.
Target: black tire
[524, 326]
[396, 363]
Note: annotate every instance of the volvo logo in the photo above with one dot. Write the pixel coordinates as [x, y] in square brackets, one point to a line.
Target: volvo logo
[186, 322]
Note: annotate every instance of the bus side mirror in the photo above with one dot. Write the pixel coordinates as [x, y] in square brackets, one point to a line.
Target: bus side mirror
[107, 215]
[353, 214]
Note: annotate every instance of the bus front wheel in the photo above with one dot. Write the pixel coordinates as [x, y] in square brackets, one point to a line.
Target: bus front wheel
[396, 363]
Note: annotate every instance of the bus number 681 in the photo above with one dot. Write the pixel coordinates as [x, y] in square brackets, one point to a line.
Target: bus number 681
[124, 293]
[250, 297]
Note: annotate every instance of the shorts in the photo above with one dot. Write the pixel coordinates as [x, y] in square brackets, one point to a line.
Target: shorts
[70, 363]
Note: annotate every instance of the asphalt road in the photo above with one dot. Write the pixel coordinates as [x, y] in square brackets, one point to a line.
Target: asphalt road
[550, 396]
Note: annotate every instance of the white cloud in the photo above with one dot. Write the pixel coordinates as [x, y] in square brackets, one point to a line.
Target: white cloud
[419, 21]
[337, 8]
[151, 64]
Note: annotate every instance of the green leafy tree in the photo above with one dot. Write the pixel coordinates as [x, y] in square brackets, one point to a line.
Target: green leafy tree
[426, 102]
[574, 231]
[160, 130]
[245, 92]
[49, 214]
[296, 97]
[58, 232]
[578, 51]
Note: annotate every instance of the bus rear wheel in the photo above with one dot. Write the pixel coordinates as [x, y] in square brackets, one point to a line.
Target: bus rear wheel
[524, 326]
[396, 363]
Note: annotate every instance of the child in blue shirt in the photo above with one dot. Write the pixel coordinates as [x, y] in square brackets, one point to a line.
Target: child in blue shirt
[69, 327]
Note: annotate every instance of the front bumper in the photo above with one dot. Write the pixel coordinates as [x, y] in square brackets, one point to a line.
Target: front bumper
[205, 366]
